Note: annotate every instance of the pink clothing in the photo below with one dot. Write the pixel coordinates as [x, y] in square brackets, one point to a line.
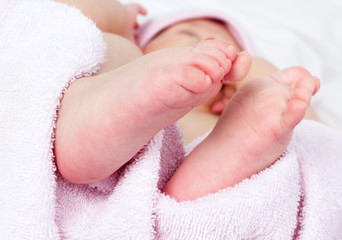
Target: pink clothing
[152, 27]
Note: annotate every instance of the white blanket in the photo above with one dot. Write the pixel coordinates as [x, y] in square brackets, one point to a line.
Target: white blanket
[44, 46]
[40, 54]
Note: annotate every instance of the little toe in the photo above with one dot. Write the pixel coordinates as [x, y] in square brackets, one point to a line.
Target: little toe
[225, 47]
[219, 56]
[209, 66]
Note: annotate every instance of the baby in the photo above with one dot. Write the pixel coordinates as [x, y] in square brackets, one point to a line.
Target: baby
[105, 119]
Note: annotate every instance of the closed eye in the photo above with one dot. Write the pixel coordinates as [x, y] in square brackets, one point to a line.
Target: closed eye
[189, 33]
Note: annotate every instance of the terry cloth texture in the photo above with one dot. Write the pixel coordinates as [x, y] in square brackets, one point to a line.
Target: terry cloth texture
[44, 46]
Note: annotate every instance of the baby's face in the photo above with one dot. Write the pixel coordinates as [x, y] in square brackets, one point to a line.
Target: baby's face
[189, 33]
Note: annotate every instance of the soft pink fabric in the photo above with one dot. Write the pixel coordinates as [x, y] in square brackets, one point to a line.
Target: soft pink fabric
[299, 197]
[157, 24]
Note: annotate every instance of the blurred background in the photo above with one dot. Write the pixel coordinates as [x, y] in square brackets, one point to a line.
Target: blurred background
[307, 33]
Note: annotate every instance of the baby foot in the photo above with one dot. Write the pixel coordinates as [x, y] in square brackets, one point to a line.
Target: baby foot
[253, 131]
[106, 119]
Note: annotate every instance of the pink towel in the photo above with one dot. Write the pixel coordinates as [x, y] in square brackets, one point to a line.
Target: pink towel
[46, 45]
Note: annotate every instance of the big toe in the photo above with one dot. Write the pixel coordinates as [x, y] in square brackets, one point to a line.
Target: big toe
[303, 90]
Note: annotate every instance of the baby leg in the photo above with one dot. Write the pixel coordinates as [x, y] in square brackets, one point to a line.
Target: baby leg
[106, 119]
[80, 105]
[253, 131]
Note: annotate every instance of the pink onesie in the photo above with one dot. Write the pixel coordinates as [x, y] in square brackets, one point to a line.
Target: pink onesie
[152, 27]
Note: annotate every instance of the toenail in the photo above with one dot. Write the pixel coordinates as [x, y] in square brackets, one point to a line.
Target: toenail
[231, 50]
[208, 78]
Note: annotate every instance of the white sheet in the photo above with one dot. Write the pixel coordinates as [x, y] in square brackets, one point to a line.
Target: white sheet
[306, 33]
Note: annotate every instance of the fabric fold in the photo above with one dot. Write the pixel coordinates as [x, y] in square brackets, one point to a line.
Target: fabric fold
[40, 55]
[262, 207]
[47, 46]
